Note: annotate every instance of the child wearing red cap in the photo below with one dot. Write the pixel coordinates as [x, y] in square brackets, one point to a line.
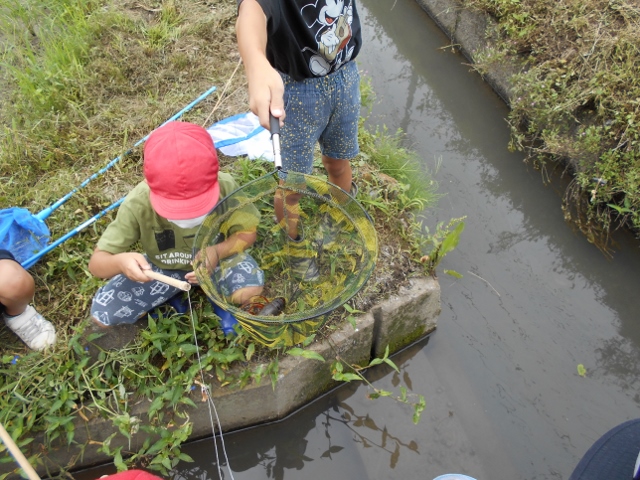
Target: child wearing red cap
[162, 214]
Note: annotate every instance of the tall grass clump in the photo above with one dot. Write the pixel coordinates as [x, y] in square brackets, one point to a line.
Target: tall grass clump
[45, 53]
[387, 152]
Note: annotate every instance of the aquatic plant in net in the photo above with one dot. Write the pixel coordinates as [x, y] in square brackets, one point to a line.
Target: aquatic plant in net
[305, 279]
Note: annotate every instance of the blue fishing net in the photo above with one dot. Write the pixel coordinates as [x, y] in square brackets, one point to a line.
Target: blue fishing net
[22, 233]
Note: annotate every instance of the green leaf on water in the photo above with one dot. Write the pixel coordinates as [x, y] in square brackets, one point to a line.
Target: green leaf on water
[418, 408]
[581, 370]
[451, 240]
[453, 273]
[391, 364]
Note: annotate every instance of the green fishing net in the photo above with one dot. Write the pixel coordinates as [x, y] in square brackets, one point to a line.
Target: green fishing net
[305, 279]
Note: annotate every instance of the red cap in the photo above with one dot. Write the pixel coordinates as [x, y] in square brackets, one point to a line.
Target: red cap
[131, 475]
[181, 169]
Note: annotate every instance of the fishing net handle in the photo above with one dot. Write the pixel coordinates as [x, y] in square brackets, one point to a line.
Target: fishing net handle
[174, 282]
[274, 126]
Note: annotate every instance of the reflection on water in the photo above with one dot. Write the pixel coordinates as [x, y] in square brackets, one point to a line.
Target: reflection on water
[323, 437]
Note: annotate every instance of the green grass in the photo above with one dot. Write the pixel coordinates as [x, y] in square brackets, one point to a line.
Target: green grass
[82, 81]
[46, 52]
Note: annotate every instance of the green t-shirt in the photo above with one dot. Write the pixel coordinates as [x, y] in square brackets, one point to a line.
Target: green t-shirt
[167, 245]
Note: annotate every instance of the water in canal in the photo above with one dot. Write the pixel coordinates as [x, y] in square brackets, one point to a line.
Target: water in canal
[504, 397]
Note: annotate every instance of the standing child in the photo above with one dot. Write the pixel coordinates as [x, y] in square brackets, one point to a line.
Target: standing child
[163, 213]
[298, 58]
[16, 292]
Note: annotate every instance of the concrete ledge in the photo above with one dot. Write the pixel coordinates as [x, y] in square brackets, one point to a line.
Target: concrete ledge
[397, 322]
[474, 33]
[407, 316]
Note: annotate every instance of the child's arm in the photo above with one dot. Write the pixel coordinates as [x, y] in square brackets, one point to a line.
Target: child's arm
[236, 243]
[266, 89]
[107, 265]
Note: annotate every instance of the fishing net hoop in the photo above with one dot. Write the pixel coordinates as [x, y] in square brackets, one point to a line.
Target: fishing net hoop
[309, 187]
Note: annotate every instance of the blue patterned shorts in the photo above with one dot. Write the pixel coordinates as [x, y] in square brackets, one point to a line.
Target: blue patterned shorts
[240, 270]
[324, 110]
[122, 300]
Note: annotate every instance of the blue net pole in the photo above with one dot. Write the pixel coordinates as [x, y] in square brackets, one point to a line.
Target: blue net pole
[31, 261]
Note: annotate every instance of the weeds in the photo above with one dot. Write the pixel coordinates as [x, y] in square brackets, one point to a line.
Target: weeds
[577, 100]
[80, 80]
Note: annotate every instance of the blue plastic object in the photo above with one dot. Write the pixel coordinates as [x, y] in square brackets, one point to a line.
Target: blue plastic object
[227, 320]
[21, 233]
[179, 303]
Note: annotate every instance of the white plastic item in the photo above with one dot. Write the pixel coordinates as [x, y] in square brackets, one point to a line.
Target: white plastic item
[454, 476]
[242, 135]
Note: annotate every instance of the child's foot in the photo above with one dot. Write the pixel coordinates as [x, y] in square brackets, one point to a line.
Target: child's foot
[32, 328]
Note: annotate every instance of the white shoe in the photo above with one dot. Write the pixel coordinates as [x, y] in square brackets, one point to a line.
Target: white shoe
[33, 329]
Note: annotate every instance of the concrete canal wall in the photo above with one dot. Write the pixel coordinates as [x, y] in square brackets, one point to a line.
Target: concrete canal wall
[471, 33]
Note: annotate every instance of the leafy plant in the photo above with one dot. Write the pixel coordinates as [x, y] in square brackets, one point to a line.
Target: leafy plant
[342, 371]
[442, 241]
[576, 100]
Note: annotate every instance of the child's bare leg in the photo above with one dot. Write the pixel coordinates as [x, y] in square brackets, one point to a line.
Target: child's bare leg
[292, 214]
[339, 172]
[17, 287]
[243, 295]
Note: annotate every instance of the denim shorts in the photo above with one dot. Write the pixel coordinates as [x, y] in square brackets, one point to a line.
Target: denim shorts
[324, 110]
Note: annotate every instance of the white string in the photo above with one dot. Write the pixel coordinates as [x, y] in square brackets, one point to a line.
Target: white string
[212, 407]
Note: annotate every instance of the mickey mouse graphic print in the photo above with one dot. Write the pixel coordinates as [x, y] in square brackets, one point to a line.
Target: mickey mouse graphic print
[308, 38]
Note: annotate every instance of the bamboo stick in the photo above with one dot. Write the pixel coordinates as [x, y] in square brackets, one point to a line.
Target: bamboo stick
[182, 285]
[17, 454]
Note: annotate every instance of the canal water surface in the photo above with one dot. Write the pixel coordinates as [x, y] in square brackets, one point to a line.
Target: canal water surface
[536, 300]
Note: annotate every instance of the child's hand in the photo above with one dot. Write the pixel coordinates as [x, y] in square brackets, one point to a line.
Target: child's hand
[132, 265]
[266, 94]
[210, 260]
[191, 278]
[266, 89]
